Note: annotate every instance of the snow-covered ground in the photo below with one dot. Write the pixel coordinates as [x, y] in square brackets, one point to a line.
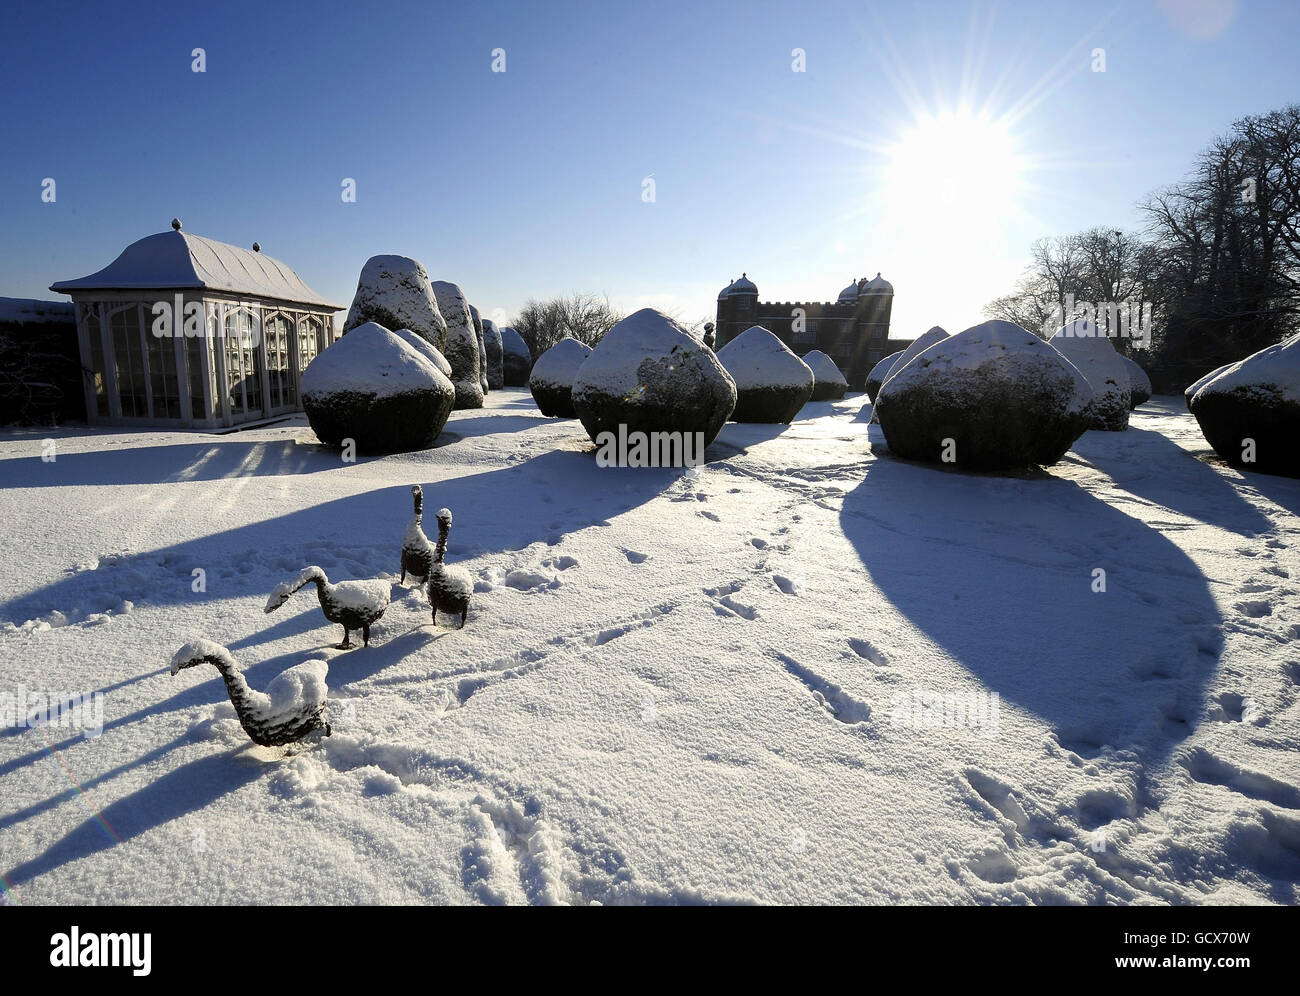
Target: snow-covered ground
[715, 685]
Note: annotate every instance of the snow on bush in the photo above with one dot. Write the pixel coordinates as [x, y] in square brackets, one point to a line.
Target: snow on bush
[878, 374]
[1081, 343]
[373, 388]
[395, 292]
[516, 360]
[482, 349]
[649, 375]
[1196, 385]
[828, 381]
[990, 398]
[1138, 382]
[425, 349]
[552, 378]
[924, 342]
[462, 344]
[1250, 411]
[772, 384]
[492, 349]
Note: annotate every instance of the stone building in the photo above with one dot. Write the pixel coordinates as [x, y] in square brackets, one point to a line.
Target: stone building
[853, 330]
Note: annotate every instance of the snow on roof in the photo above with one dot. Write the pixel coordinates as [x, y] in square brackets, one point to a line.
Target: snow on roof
[849, 294]
[743, 286]
[178, 260]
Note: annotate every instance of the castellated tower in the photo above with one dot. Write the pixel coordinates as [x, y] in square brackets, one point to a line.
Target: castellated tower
[853, 330]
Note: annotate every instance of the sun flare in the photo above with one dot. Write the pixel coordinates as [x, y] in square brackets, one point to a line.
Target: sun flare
[957, 172]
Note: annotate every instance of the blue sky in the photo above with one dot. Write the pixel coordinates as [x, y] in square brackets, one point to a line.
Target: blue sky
[930, 141]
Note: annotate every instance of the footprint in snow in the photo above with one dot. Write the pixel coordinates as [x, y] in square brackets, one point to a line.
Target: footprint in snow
[527, 581]
[787, 585]
[868, 652]
[1255, 609]
[633, 557]
[725, 605]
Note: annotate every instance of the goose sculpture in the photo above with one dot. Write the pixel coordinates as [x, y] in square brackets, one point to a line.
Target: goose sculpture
[351, 604]
[417, 551]
[291, 708]
[449, 586]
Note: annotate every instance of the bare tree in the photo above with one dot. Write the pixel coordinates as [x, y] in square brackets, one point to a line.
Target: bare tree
[582, 316]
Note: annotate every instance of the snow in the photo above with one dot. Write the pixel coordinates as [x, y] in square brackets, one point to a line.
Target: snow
[559, 365]
[1003, 343]
[756, 359]
[426, 349]
[1273, 372]
[29, 311]
[1103, 368]
[613, 365]
[369, 360]
[178, 260]
[1199, 383]
[395, 291]
[198, 650]
[922, 343]
[712, 686]
[824, 369]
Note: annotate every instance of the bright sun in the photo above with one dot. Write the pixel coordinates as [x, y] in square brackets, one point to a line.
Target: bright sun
[957, 172]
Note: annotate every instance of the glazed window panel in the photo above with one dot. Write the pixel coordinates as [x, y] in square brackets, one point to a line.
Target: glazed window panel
[98, 371]
[128, 362]
[280, 373]
[163, 382]
[243, 369]
[309, 333]
[197, 374]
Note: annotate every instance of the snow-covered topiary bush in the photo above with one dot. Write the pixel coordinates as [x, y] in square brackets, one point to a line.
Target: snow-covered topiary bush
[878, 374]
[1139, 384]
[990, 398]
[373, 388]
[772, 384]
[425, 349]
[649, 375]
[462, 344]
[828, 381]
[482, 349]
[516, 360]
[924, 342]
[552, 378]
[1196, 385]
[1081, 344]
[1250, 411]
[395, 292]
[492, 349]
